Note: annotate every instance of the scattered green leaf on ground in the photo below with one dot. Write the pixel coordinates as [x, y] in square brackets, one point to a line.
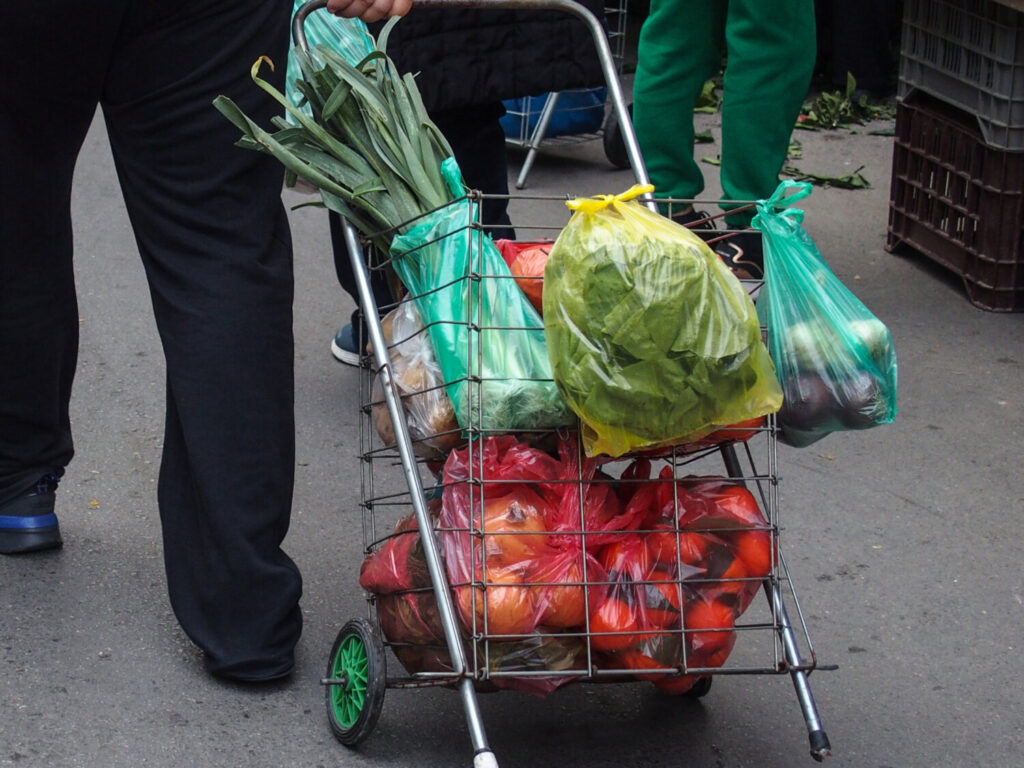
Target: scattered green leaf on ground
[854, 180]
[840, 109]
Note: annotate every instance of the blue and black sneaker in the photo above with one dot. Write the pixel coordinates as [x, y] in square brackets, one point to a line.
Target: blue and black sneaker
[28, 522]
[344, 346]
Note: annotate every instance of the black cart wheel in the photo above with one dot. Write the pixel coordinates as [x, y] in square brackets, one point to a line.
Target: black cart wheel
[614, 144]
[700, 688]
[356, 679]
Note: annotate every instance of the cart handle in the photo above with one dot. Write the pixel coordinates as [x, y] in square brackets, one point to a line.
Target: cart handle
[568, 6]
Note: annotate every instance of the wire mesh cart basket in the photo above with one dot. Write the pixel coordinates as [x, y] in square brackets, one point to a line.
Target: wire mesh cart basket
[499, 554]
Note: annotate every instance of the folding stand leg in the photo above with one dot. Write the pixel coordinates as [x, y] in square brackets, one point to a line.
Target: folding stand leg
[539, 132]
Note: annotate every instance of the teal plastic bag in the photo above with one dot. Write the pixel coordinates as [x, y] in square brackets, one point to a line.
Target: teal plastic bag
[487, 337]
[349, 37]
[835, 360]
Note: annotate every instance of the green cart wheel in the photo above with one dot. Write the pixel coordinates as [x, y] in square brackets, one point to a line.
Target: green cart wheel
[356, 679]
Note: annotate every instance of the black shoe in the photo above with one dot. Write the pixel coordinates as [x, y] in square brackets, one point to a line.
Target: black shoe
[742, 252]
[691, 218]
[28, 522]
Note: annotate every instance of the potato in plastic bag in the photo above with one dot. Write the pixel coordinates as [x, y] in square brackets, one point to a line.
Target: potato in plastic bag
[428, 410]
[652, 340]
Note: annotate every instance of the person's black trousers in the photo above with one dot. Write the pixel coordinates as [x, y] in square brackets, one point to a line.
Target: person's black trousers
[214, 240]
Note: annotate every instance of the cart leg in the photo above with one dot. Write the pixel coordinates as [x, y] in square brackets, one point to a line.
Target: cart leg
[820, 747]
[483, 757]
[732, 462]
[539, 132]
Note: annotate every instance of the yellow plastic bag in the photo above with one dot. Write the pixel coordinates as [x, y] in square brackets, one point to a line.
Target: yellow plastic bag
[652, 340]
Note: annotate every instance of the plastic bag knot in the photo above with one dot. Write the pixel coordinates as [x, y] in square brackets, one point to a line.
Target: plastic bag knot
[594, 204]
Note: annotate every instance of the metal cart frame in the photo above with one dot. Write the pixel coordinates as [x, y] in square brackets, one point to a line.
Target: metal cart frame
[792, 661]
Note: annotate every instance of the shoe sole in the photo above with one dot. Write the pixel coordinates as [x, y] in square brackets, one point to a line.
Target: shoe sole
[248, 679]
[19, 535]
[244, 680]
[344, 356]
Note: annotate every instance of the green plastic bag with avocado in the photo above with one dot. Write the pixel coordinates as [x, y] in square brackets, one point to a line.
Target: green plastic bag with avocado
[652, 340]
[835, 359]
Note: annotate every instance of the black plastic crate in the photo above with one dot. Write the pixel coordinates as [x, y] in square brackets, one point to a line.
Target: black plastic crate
[959, 201]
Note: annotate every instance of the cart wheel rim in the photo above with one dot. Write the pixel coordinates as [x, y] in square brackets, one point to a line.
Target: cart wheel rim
[352, 664]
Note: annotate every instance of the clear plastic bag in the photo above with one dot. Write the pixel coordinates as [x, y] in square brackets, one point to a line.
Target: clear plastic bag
[835, 360]
[429, 414]
[652, 340]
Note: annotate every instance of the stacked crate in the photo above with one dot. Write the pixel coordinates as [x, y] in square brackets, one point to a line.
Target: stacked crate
[958, 160]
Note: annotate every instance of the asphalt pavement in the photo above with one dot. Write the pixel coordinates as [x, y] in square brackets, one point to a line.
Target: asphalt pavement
[904, 542]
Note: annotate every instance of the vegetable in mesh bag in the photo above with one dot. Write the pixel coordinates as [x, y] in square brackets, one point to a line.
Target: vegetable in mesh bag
[652, 340]
[835, 359]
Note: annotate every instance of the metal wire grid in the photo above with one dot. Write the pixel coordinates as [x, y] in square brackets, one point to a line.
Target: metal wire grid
[768, 642]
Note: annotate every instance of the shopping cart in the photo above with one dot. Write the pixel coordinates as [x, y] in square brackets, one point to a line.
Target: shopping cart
[439, 591]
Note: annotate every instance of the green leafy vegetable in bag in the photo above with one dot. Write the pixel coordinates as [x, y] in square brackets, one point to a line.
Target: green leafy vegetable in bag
[652, 339]
[487, 337]
[362, 137]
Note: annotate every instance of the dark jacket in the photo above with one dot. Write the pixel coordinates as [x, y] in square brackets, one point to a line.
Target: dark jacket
[466, 57]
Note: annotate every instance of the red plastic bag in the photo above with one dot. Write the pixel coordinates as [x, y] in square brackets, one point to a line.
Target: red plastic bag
[565, 582]
[513, 538]
[526, 261]
[679, 582]
[397, 565]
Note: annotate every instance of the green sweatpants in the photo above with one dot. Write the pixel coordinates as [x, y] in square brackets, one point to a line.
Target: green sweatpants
[769, 47]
